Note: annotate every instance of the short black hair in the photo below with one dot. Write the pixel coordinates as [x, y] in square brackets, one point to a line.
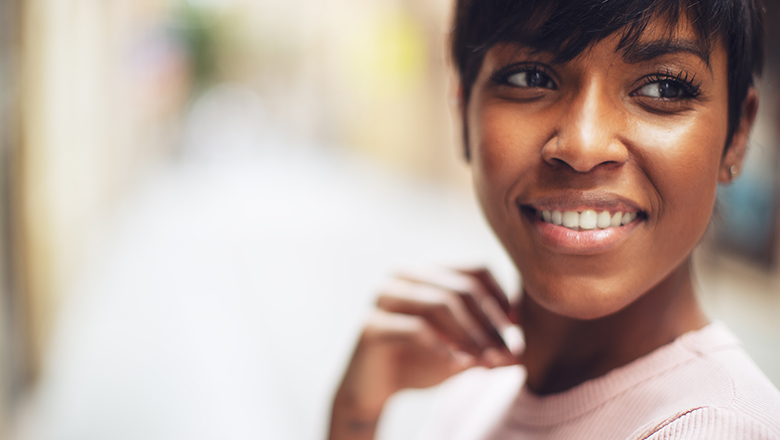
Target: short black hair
[566, 28]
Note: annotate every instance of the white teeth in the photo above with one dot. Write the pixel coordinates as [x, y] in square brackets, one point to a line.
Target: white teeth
[588, 219]
[571, 219]
[603, 220]
[615, 220]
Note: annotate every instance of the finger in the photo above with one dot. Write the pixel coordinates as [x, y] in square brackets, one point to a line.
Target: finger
[510, 331]
[485, 277]
[389, 327]
[510, 334]
[476, 305]
[481, 300]
[478, 282]
[420, 336]
[497, 308]
[443, 309]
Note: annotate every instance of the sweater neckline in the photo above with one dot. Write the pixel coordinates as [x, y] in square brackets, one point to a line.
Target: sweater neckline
[530, 409]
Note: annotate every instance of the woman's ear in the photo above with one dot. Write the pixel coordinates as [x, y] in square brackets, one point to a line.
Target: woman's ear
[731, 163]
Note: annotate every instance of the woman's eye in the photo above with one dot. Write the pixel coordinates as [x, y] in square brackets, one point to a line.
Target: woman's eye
[531, 78]
[662, 90]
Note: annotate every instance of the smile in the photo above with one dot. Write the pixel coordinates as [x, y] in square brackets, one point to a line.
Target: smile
[586, 220]
[583, 224]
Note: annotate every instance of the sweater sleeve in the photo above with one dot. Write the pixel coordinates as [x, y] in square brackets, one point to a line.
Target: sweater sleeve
[710, 423]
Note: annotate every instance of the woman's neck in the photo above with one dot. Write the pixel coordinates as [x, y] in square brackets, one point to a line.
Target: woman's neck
[562, 352]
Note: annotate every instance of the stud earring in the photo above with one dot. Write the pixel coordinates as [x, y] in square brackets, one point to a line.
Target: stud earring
[734, 172]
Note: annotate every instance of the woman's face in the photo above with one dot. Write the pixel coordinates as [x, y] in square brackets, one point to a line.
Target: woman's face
[618, 153]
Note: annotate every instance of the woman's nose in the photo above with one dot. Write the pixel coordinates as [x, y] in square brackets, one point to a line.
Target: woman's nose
[588, 133]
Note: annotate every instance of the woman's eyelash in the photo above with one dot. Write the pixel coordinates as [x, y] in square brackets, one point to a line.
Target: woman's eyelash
[686, 82]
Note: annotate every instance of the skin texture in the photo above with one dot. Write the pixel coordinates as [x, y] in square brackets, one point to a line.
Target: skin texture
[592, 132]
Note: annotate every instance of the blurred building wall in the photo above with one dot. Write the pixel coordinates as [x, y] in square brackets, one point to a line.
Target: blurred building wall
[11, 336]
[101, 86]
[370, 76]
[104, 83]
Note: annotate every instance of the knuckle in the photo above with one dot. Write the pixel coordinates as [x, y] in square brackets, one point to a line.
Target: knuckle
[439, 310]
[424, 333]
[375, 324]
[467, 294]
[475, 271]
[445, 307]
[372, 334]
[392, 287]
[479, 270]
[474, 287]
[383, 327]
[384, 300]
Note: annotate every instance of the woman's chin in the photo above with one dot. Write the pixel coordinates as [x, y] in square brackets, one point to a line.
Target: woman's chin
[580, 301]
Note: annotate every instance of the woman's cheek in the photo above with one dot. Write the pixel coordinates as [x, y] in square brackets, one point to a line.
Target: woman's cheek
[681, 162]
[505, 148]
[493, 144]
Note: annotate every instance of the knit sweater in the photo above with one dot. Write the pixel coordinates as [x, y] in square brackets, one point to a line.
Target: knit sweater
[701, 386]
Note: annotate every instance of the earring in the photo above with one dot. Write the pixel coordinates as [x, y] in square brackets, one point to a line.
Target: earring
[734, 172]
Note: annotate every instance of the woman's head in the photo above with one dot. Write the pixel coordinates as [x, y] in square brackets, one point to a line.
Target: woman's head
[597, 131]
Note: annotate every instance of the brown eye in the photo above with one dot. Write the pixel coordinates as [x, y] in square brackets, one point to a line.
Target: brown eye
[531, 78]
[662, 90]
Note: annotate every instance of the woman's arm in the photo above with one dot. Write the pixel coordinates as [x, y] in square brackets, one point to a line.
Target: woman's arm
[427, 327]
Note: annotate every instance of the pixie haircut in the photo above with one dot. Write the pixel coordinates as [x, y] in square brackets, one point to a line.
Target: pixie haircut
[566, 28]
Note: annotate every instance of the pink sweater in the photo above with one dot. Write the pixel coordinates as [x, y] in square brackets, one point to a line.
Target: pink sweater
[701, 386]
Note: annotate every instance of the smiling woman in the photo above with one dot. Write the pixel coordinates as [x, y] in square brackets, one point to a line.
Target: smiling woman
[597, 134]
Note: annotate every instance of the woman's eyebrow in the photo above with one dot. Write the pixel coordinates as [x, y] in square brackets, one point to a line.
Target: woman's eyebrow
[646, 51]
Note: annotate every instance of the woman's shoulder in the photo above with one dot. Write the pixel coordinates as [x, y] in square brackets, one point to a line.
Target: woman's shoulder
[705, 386]
[719, 393]
[723, 375]
[711, 423]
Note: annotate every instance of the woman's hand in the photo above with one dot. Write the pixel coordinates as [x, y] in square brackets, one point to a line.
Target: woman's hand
[428, 326]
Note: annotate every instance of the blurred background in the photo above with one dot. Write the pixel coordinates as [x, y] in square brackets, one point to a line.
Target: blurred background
[199, 198]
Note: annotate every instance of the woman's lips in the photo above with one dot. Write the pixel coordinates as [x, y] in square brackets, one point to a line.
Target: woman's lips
[582, 232]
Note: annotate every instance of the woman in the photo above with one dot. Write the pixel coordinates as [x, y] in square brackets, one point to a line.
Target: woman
[597, 133]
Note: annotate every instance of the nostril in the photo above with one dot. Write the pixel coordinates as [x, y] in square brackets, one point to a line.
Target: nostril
[582, 157]
[560, 164]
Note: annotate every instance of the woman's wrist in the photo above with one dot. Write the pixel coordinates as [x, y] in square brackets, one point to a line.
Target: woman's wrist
[357, 406]
[352, 419]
